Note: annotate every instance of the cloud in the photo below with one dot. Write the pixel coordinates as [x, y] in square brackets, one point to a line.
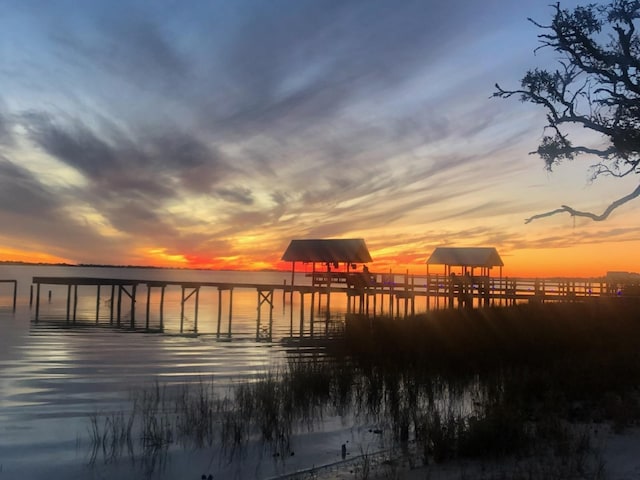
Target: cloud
[126, 41]
[239, 195]
[136, 162]
[285, 71]
[35, 218]
[262, 120]
[75, 145]
[6, 126]
[21, 194]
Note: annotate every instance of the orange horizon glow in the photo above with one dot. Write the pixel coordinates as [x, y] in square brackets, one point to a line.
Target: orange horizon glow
[582, 261]
[13, 255]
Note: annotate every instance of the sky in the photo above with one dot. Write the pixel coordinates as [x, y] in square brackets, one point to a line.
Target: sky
[209, 134]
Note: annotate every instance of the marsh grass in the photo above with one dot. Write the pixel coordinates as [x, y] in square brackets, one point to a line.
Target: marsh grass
[495, 383]
[111, 436]
[546, 354]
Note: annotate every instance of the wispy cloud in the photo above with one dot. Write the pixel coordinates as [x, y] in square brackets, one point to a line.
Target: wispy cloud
[206, 129]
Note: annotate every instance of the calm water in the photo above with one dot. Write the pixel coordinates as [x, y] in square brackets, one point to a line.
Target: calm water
[53, 376]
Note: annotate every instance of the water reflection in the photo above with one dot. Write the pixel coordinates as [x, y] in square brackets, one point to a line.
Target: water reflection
[54, 375]
[272, 424]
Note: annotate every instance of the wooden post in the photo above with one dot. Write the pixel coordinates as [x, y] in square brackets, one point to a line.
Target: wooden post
[182, 309]
[68, 302]
[162, 307]
[271, 317]
[230, 309]
[301, 312]
[311, 315]
[146, 323]
[133, 305]
[293, 276]
[219, 311]
[195, 320]
[487, 290]
[327, 314]
[259, 309]
[97, 304]
[367, 296]
[119, 305]
[428, 285]
[113, 289]
[391, 293]
[75, 302]
[15, 293]
[37, 301]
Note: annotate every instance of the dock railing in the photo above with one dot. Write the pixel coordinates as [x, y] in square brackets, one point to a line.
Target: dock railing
[384, 294]
[443, 291]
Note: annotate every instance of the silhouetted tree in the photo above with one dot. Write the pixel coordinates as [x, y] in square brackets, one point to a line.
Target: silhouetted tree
[596, 86]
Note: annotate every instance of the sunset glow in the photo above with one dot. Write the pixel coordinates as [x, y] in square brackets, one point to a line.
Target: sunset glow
[10, 255]
[210, 137]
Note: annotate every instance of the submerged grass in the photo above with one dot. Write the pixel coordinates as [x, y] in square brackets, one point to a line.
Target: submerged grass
[491, 383]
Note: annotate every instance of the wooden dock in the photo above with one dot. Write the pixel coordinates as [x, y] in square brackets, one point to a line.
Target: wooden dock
[124, 295]
[377, 295]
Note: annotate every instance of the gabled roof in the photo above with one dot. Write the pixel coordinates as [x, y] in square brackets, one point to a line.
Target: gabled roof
[466, 257]
[352, 250]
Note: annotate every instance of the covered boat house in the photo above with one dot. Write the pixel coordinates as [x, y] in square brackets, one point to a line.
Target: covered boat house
[333, 260]
[327, 254]
[467, 259]
[473, 264]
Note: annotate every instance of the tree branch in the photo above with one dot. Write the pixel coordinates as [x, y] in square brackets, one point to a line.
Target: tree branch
[592, 216]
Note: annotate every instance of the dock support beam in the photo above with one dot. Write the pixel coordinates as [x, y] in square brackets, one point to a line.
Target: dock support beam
[37, 301]
[15, 293]
[230, 310]
[162, 308]
[75, 303]
[264, 296]
[302, 313]
[195, 290]
[132, 296]
[113, 290]
[220, 288]
[97, 304]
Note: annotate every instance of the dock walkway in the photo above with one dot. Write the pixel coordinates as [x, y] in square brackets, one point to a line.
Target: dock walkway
[381, 294]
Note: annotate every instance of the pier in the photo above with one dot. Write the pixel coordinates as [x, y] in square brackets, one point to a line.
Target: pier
[392, 295]
[124, 293]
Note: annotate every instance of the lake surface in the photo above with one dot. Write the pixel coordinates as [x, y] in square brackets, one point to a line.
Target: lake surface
[55, 376]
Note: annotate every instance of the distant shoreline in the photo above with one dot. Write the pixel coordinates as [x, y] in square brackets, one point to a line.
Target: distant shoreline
[148, 267]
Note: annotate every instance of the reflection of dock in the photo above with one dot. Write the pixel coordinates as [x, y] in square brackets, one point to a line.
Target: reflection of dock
[123, 294]
[377, 295]
[126, 291]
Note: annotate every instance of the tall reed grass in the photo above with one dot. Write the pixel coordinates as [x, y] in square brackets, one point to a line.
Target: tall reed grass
[489, 383]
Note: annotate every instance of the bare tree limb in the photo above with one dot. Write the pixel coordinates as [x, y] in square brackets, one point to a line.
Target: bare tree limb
[592, 216]
[597, 87]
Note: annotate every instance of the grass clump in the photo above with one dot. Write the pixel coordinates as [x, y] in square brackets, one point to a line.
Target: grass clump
[494, 383]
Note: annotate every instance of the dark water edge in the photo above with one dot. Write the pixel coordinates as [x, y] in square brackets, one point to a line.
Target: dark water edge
[54, 379]
[53, 376]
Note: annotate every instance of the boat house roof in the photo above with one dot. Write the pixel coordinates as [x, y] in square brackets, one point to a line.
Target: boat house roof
[350, 250]
[466, 257]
